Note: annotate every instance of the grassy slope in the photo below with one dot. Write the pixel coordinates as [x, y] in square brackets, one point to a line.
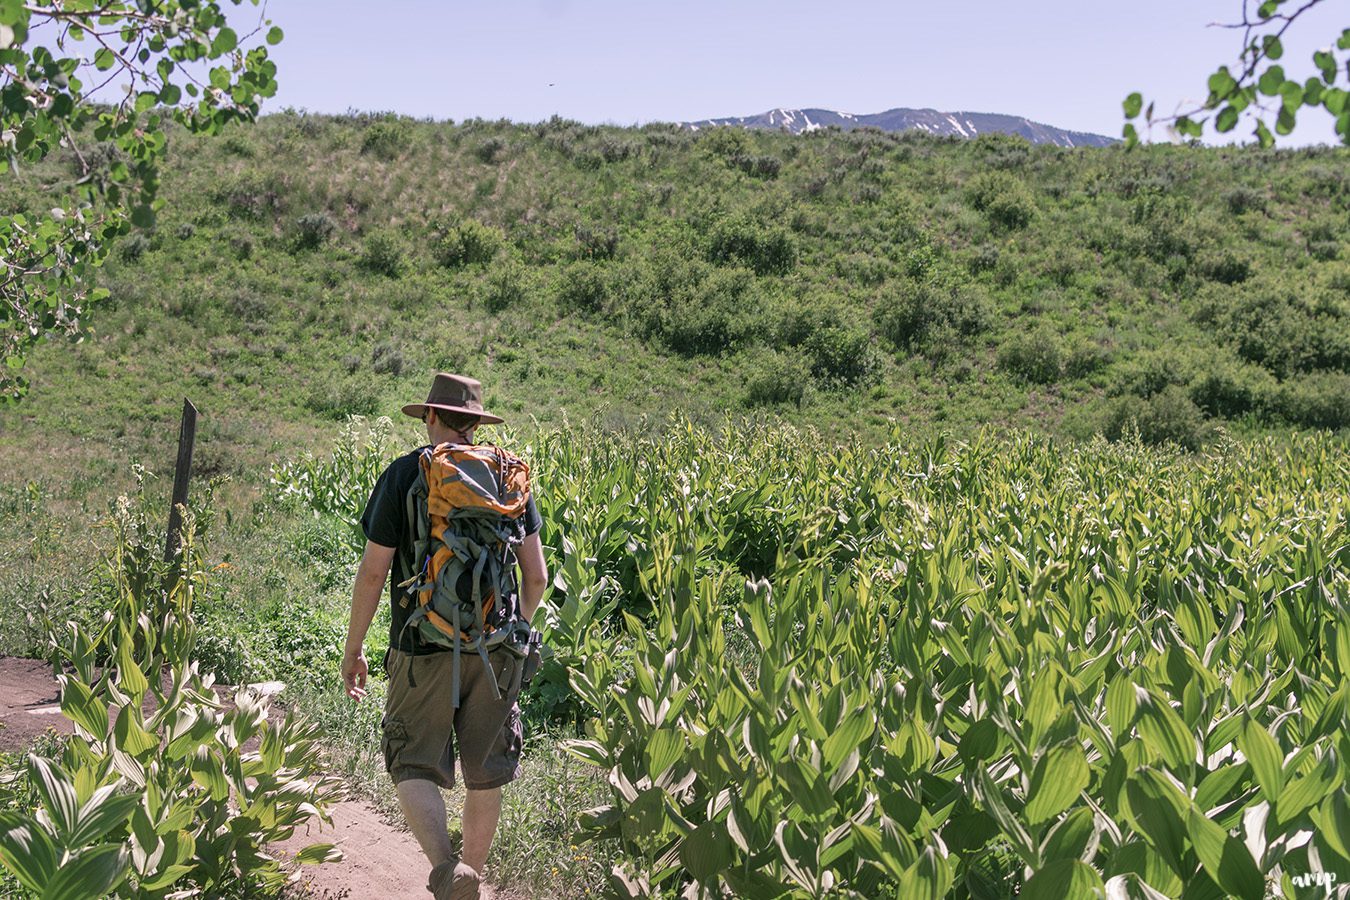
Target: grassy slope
[274, 342]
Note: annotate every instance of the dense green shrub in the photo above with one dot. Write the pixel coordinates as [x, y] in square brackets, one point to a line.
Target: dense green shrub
[251, 195]
[1315, 400]
[489, 149]
[757, 165]
[340, 398]
[582, 286]
[738, 240]
[383, 253]
[1287, 332]
[1169, 416]
[917, 315]
[1003, 198]
[1035, 357]
[1244, 199]
[468, 243]
[313, 230]
[595, 241]
[715, 313]
[1083, 358]
[1229, 387]
[133, 247]
[842, 354]
[772, 378]
[1148, 373]
[1225, 268]
[504, 287]
[386, 139]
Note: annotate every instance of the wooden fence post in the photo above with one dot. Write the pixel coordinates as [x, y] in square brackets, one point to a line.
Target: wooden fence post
[182, 471]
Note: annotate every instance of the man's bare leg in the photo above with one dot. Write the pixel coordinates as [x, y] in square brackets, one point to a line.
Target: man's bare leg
[482, 809]
[424, 808]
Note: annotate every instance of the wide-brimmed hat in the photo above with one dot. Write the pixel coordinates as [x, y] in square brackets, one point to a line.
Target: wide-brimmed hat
[454, 393]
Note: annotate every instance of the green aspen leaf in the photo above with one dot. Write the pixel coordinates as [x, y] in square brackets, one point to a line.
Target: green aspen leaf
[1225, 858]
[1343, 43]
[1227, 119]
[1063, 878]
[707, 851]
[1267, 9]
[1270, 81]
[225, 41]
[1271, 46]
[1263, 135]
[104, 59]
[319, 853]
[275, 35]
[1060, 776]
[1133, 104]
[1284, 122]
[1130, 134]
[1326, 64]
[1312, 91]
[1222, 83]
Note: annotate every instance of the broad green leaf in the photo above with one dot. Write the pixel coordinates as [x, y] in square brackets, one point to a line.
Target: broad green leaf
[57, 793]
[1225, 858]
[1133, 104]
[275, 35]
[1303, 793]
[92, 872]
[319, 853]
[665, 747]
[130, 737]
[1071, 837]
[1060, 776]
[1161, 811]
[929, 878]
[104, 816]
[1265, 757]
[1131, 886]
[84, 709]
[1061, 879]
[1163, 731]
[979, 743]
[27, 851]
[1335, 822]
[707, 851]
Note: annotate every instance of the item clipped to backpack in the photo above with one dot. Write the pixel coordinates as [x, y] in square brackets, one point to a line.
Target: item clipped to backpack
[466, 509]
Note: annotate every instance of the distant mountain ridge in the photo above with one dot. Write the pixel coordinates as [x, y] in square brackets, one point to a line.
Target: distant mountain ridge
[959, 124]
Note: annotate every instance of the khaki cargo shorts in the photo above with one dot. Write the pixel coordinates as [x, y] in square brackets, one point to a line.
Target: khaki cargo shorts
[422, 728]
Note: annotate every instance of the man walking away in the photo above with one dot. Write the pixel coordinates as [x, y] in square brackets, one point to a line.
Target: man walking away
[452, 688]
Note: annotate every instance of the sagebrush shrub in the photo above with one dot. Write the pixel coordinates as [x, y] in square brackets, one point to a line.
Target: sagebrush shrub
[769, 250]
[582, 286]
[774, 378]
[314, 229]
[386, 139]
[468, 243]
[1003, 198]
[383, 253]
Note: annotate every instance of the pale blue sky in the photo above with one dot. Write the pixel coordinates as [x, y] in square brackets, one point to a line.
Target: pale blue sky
[1065, 63]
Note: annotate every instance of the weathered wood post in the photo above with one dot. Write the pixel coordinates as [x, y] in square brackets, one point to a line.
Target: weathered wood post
[182, 471]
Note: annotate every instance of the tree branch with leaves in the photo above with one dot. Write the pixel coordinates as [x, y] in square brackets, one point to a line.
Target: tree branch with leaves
[1261, 89]
[109, 76]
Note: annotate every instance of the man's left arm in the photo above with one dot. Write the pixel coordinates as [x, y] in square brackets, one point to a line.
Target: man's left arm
[533, 574]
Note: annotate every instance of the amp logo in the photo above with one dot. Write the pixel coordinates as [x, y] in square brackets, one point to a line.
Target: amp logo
[1315, 879]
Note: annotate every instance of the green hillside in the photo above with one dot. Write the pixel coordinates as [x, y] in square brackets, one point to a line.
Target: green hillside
[313, 267]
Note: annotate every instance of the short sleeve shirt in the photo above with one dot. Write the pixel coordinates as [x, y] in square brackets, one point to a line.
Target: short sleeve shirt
[385, 522]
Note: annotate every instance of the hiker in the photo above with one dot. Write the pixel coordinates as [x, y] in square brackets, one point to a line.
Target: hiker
[468, 688]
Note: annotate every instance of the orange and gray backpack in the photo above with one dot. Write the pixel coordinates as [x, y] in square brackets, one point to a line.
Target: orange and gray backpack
[466, 510]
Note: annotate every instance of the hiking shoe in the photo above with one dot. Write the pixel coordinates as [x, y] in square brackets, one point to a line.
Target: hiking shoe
[453, 880]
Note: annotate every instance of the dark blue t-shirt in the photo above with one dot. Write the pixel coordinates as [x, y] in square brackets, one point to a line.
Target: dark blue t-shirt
[385, 521]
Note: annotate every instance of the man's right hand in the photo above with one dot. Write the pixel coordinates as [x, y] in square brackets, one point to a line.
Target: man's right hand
[354, 671]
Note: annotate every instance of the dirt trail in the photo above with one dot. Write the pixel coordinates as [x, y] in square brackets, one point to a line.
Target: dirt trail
[381, 861]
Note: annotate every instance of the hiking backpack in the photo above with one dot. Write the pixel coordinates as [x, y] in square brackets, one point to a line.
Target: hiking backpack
[466, 509]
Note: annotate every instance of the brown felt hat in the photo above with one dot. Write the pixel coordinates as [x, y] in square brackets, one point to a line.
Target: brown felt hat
[454, 393]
